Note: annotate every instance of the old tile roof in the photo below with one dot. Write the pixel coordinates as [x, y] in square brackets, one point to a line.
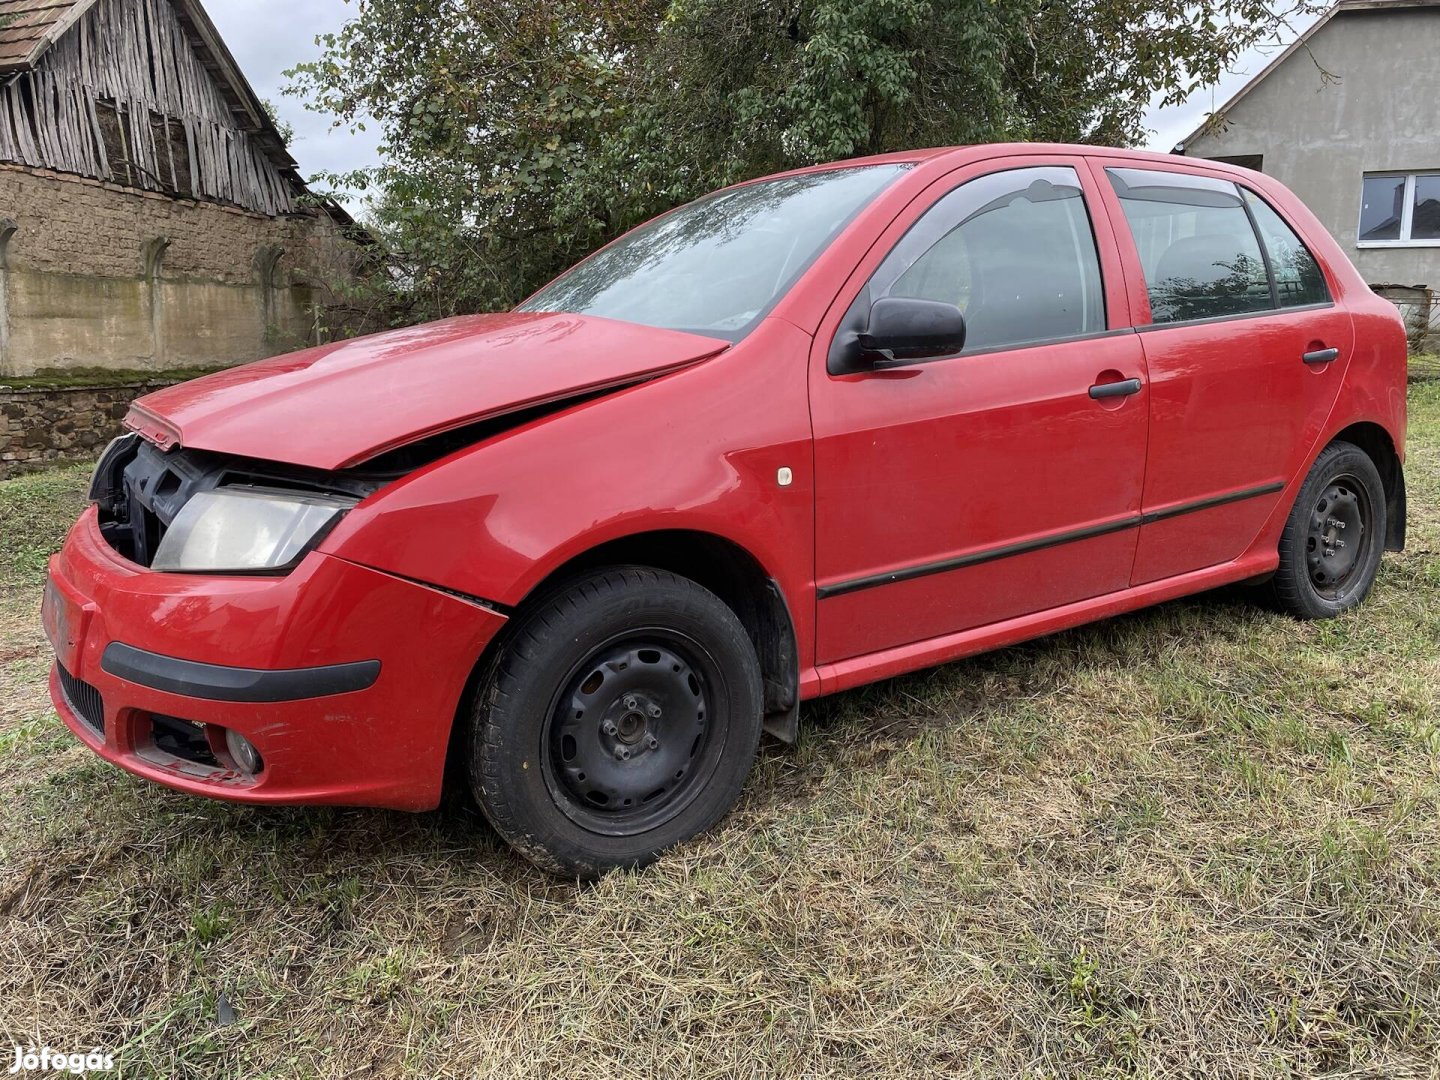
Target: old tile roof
[28, 26]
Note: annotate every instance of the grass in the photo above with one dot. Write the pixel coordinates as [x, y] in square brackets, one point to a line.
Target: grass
[1198, 840]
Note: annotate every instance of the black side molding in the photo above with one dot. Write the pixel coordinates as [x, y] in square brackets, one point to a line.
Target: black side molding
[975, 558]
[841, 588]
[216, 682]
[1211, 503]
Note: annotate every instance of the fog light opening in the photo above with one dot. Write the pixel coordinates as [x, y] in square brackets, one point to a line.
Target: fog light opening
[243, 753]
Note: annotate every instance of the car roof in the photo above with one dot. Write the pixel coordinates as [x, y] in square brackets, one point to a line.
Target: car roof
[950, 156]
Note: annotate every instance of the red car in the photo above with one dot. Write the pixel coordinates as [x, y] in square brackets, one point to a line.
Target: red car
[803, 434]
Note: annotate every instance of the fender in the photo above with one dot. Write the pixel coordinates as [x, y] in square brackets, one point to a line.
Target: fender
[1373, 393]
[701, 449]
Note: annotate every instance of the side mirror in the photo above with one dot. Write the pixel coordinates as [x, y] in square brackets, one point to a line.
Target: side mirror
[903, 328]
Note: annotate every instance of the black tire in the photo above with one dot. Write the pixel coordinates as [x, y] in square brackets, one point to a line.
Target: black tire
[1332, 543]
[619, 717]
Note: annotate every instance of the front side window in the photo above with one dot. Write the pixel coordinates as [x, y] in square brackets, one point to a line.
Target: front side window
[1014, 251]
[1400, 208]
[716, 266]
[1198, 249]
[1298, 280]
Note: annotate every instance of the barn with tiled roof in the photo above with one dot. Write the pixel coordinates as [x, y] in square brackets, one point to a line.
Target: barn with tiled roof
[151, 215]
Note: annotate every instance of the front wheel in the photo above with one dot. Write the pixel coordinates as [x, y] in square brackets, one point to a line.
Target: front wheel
[620, 717]
[1331, 547]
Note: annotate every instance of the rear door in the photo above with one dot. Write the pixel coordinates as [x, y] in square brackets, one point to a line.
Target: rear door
[1245, 349]
[973, 488]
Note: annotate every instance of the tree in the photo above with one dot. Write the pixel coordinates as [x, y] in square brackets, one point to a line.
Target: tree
[519, 135]
[284, 130]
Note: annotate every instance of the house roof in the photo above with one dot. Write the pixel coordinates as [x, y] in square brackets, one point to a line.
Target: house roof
[1341, 7]
[29, 27]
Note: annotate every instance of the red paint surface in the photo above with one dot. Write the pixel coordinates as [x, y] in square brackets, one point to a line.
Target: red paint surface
[891, 469]
[338, 404]
[384, 746]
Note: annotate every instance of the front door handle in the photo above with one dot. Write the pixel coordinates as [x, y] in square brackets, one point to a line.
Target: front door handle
[1321, 356]
[1115, 389]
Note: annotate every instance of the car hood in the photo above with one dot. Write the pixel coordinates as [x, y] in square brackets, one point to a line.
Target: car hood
[338, 405]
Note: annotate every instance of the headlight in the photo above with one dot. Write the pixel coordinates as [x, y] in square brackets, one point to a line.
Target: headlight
[240, 529]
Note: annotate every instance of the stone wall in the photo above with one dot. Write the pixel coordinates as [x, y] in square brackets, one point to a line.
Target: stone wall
[97, 275]
[45, 427]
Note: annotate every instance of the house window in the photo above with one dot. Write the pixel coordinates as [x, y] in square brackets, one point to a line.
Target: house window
[1400, 208]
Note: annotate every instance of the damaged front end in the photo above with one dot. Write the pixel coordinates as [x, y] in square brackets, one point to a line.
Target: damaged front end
[199, 511]
[149, 489]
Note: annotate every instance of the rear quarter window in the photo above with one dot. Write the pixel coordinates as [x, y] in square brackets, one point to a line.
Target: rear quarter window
[1298, 278]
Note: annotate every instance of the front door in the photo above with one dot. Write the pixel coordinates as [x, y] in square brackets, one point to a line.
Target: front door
[1001, 481]
[1246, 354]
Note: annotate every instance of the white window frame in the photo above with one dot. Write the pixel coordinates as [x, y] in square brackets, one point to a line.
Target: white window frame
[1407, 210]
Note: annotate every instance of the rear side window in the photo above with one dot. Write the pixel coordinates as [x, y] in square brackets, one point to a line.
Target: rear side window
[1014, 251]
[1298, 280]
[1198, 250]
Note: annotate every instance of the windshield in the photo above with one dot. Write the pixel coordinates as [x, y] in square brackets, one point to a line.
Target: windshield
[717, 265]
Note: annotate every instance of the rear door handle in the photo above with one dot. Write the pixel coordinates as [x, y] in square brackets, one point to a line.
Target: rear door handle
[1115, 389]
[1321, 356]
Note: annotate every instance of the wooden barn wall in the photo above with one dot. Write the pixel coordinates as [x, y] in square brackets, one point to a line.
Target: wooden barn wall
[135, 54]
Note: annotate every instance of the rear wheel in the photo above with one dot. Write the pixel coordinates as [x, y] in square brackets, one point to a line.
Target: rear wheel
[619, 718]
[1331, 547]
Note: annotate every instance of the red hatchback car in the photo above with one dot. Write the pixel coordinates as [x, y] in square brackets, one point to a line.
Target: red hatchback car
[802, 434]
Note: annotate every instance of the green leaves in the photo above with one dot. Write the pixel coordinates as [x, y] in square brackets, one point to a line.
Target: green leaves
[519, 136]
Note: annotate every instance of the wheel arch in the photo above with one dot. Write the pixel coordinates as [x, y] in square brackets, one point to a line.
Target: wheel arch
[734, 575]
[1377, 444]
[717, 563]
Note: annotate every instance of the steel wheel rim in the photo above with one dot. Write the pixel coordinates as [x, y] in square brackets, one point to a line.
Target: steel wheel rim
[632, 735]
[1339, 537]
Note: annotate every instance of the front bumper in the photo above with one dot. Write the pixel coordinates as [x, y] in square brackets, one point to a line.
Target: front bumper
[346, 679]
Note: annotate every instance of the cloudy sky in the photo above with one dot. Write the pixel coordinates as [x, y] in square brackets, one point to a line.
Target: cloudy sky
[249, 28]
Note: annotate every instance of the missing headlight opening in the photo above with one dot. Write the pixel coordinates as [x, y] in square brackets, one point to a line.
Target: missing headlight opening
[187, 510]
[142, 490]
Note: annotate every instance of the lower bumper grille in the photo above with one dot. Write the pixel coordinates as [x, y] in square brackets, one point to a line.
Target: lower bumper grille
[84, 700]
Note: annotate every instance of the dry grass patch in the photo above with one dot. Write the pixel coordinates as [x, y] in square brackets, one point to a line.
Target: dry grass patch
[1199, 840]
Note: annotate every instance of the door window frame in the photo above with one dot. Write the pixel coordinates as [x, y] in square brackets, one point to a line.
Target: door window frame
[1139, 294]
[1113, 291]
[931, 234]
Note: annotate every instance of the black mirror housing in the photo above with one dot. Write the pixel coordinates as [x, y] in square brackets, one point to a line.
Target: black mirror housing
[905, 328]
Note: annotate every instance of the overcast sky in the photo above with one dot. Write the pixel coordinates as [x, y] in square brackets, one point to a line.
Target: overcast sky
[268, 36]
